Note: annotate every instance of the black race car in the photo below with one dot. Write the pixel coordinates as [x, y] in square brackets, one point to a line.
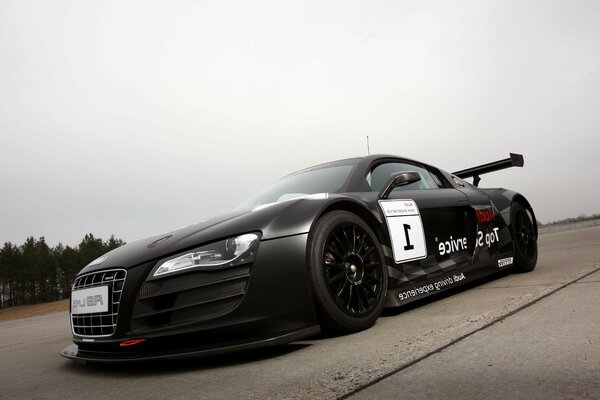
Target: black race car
[325, 248]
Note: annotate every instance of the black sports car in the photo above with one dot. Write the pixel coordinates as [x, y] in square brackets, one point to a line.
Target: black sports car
[323, 248]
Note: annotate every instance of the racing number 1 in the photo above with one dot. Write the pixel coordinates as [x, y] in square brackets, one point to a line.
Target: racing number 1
[408, 245]
[405, 228]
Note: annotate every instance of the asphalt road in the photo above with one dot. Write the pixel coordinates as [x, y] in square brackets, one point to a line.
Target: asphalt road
[533, 335]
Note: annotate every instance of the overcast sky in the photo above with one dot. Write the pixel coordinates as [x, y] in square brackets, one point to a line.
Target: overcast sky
[139, 117]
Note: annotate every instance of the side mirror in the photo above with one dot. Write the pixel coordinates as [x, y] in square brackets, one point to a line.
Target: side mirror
[398, 179]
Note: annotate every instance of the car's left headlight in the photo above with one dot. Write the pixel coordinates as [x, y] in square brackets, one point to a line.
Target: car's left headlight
[225, 253]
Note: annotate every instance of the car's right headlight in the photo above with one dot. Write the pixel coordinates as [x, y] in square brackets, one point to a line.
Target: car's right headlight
[222, 254]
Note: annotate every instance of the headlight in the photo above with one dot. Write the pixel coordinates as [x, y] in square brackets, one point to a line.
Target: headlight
[226, 253]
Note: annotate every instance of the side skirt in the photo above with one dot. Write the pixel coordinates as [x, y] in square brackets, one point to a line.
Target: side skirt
[417, 291]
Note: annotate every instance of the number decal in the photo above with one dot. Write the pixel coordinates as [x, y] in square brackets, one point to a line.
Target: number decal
[408, 245]
[406, 229]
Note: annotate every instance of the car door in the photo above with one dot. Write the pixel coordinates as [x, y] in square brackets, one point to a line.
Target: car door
[426, 221]
[486, 221]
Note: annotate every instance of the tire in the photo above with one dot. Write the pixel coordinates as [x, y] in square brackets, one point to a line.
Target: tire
[524, 238]
[347, 272]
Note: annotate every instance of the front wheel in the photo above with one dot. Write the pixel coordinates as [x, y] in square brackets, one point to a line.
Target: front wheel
[347, 271]
[524, 238]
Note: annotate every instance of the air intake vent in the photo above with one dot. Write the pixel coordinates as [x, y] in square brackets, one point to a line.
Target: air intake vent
[189, 297]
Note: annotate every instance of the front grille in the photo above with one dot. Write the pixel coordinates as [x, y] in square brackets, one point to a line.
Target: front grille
[191, 297]
[100, 324]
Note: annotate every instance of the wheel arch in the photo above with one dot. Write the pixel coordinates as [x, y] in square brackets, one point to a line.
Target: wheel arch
[519, 198]
[371, 217]
[353, 207]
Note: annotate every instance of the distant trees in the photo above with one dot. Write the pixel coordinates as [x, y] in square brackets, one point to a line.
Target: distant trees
[579, 218]
[36, 273]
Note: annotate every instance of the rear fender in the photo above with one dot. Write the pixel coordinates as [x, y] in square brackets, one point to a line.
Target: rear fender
[504, 199]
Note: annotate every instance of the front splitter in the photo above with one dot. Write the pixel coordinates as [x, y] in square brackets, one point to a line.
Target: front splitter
[72, 352]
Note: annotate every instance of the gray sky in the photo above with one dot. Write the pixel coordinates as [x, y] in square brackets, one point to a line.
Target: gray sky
[138, 117]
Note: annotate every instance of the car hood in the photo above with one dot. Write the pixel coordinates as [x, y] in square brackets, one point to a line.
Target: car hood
[274, 220]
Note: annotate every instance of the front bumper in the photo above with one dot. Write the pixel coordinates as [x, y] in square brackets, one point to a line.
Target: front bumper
[277, 307]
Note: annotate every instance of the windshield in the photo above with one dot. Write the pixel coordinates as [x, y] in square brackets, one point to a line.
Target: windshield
[330, 178]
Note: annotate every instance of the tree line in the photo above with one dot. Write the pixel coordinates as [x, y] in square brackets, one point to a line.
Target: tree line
[579, 218]
[37, 273]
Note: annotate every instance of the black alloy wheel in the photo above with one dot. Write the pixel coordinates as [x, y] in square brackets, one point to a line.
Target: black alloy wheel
[348, 273]
[524, 238]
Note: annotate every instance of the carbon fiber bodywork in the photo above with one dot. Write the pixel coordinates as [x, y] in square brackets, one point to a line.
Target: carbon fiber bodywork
[466, 234]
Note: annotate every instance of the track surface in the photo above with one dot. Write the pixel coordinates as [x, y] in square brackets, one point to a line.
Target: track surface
[423, 350]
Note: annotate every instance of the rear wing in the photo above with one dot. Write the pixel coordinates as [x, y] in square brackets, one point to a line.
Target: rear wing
[515, 160]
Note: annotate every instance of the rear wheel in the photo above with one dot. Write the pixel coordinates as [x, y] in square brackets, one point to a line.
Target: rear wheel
[524, 238]
[348, 273]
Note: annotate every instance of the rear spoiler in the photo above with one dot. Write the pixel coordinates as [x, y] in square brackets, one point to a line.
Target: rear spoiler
[515, 160]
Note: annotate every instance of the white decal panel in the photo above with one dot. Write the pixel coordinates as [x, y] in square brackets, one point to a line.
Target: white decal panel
[92, 300]
[504, 262]
[405, 228]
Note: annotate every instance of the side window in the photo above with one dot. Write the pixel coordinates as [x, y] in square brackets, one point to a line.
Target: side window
[381, 173]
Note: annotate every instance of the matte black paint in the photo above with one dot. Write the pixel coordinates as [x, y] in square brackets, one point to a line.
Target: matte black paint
[277, 304]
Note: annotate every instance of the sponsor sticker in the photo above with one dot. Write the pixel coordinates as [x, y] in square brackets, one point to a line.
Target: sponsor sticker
[503, 262]
[91, 300]
[460, 244]
[484, 214]
[432, 287]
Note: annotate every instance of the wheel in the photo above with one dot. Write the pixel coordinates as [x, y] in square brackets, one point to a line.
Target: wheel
[347, 272]
[524, 238]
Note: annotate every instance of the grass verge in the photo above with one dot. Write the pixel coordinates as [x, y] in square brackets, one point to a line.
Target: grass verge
[33, 310]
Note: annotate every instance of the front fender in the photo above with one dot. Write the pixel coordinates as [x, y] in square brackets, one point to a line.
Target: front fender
[299, 216]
